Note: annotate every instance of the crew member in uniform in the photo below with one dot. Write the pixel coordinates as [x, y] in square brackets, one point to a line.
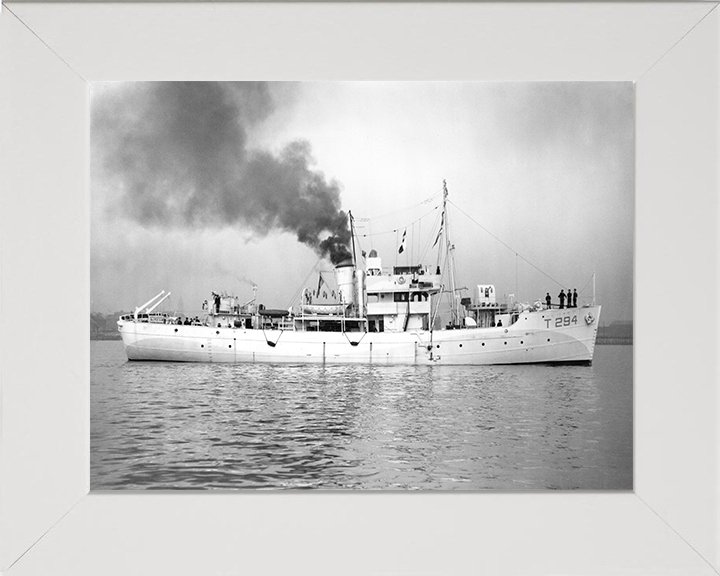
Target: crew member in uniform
[548, 300]
[562, 299]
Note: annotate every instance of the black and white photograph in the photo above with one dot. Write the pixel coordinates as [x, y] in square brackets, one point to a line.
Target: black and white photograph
[361, 285]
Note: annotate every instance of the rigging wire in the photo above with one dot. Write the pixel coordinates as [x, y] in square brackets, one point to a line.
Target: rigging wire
[394, 230]
[427, 248]
[517, 254]
[302, 285]
[586, 285]
[427, 200]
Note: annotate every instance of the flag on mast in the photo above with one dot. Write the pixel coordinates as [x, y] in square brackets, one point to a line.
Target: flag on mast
[402, 243]
[442, 222]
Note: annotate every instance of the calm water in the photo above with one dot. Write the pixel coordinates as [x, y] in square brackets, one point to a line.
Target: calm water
[204, 426]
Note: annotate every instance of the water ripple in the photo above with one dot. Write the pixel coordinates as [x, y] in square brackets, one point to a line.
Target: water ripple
[200, 426]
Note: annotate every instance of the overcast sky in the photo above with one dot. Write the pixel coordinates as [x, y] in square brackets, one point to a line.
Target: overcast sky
[215, 186]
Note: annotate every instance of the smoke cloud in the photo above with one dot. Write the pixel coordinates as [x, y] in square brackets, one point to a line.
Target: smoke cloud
[178, 154]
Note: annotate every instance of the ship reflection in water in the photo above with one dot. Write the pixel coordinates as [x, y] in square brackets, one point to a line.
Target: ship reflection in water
[230, 426]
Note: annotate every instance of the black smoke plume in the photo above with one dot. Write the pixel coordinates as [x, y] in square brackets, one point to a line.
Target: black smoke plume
[178, 154]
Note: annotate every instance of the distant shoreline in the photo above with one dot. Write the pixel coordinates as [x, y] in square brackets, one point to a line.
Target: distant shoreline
[615, 341]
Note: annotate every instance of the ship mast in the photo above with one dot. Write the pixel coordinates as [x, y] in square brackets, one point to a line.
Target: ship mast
[450, 260]
[352, 236]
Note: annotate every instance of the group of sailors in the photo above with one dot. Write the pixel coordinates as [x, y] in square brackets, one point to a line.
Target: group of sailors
[188, 321]
[571, 298]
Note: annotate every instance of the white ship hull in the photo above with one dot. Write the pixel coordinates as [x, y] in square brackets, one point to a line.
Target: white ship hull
[544, 336]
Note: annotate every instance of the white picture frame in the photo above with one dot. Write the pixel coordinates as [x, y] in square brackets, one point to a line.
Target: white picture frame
[50, 523]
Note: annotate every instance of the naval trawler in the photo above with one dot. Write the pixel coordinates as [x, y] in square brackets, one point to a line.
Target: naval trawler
[380, 316]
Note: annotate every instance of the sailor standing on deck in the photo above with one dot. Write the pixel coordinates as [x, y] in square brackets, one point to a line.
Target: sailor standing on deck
[216, 298]
[574, 297]
[548, 300]
[562, 298]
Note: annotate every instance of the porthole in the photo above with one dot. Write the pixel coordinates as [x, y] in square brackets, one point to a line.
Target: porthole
[229, 345]
[505, 343]
[483, 343]
[438, 345]
[460, 345]
[175, 329]
[548, 339]
[202, 345]
[217, 331]
[521, 341]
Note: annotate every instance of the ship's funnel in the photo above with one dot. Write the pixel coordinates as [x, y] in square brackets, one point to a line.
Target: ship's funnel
[344, 273]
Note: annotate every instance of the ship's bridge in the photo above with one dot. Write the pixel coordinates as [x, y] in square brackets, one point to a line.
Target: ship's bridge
[398, 299]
